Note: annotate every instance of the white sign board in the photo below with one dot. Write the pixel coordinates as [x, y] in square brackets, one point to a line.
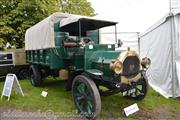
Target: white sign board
[44, 93]
[131, 109]
[11, 82]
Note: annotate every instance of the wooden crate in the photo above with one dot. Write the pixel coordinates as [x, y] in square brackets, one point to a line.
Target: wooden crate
[19, 56]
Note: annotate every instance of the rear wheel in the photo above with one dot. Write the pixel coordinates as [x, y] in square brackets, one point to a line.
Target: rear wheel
[139, 91]
[86, 97]
[23, 74]
[35, 75]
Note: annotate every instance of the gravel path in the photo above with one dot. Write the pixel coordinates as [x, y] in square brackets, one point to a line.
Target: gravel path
[163, 112]
[14, 114]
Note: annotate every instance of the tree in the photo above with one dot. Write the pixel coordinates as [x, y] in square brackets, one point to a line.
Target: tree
[17, 16]
[80, 7]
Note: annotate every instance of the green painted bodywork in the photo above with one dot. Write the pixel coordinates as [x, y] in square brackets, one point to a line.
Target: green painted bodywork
[99, 57]
[55, 58]
[93, 56]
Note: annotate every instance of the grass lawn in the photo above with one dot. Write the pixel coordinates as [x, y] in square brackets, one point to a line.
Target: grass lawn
[60, 102]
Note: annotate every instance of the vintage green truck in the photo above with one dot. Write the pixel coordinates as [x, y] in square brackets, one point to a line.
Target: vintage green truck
[68, 46]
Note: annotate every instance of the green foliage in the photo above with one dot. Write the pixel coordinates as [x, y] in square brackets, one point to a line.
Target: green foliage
[17, 16]
[1, 43]
[80, 7]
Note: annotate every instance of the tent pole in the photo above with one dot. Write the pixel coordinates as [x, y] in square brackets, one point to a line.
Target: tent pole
[173, 56]
[138, 42]
[116, 34]
[170, 6]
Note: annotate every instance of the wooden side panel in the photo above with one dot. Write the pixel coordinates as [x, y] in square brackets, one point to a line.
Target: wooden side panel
[19, 56]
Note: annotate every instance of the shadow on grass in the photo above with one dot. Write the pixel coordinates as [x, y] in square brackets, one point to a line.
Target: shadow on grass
[112, 106]
[54, 82]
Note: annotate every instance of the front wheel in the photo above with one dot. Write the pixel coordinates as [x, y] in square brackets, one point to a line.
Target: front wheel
[86, 97]
[139, 91]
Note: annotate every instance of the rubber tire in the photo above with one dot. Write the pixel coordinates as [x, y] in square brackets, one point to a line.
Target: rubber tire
[145, 90]
[93, 88]
[23, 74]
[35, 76]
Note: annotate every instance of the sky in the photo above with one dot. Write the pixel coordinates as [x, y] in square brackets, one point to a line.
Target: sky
[132, 15]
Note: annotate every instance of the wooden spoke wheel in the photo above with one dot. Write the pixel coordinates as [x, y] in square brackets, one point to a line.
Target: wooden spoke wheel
[139, 91]
[86, 97]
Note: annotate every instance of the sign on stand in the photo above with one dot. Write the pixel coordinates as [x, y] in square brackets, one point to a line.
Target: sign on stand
[11, 82]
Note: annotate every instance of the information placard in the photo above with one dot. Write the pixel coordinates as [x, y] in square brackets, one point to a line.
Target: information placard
[11, 82]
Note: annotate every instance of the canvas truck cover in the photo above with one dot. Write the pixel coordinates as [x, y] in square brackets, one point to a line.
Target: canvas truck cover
[74, 23]
[86, 23]
[41, 35]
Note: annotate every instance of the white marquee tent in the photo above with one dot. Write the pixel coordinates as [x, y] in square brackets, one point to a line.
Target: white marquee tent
[161, 43]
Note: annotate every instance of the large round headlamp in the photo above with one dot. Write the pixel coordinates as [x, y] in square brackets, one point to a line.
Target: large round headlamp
[116, 66]
[146, 62]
